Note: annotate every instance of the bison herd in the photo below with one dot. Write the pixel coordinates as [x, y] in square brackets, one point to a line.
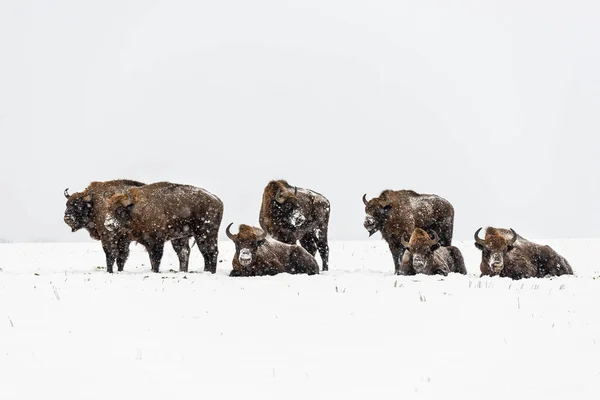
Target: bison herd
[293, 228]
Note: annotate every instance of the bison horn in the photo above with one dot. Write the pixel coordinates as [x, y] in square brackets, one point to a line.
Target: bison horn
[66, 193]
[405, 242]
[365, 199]
[478, 240]
[295, 190]
[278, 197]
[434, 238]
[228, 232]
[514, 238]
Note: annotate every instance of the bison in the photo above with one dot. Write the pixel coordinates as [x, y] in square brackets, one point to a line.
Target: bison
[507, 254]
[396, 213]
[424, 255]
[155, 213]
[256, 254]
[291, 214]
[87, 210]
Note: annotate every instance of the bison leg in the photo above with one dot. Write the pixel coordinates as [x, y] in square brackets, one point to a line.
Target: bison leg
[210, 252]
[182, 248]
[111, 254]
[323, 247]
[396, 253]
[308, 242]
[122, 253]
[156, 252]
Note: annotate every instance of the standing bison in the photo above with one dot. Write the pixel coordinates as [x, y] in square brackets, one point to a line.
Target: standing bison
[290, 214]
[396, 213]
[424, 255]
[153, 214]
[507, 254]
[256, 254]
[88, 209]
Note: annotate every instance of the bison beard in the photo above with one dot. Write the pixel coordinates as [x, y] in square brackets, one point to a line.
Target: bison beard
[256, 254]
[291, 215]
[396, 213]
[163, 211]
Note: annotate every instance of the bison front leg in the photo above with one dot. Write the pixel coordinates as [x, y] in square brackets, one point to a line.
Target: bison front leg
[110, 251]
[396, 254]
[182, 248]
[323, 247]
[156, 252]
[122, 252]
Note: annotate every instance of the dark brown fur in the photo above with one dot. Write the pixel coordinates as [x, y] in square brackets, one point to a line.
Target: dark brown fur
[267, 255]
[88, 209]
[424, 256]
[398, 213]
[162, 211]
[276, 217]
[521, 259]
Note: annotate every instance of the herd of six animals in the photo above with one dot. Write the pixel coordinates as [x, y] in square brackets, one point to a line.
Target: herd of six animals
[417, 227]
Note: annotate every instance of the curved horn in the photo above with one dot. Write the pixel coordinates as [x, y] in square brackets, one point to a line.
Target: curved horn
[228, 232]
[365, 199]
[278, 197]
[66, 193]
[478, 240]
[404, 242]
[295, 190]
[514, 238]
[434, 238]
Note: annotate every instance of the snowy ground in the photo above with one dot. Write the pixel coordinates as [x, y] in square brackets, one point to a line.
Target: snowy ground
[71, 331]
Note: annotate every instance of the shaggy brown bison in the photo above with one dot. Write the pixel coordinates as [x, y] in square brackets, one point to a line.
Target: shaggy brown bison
[424, 255]
[88, 209]
[155, 213]
[507, 254]
[290, 214]
[256, 254]
[396, 213]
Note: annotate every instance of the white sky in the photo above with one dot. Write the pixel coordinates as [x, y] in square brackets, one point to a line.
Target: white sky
[493, 105]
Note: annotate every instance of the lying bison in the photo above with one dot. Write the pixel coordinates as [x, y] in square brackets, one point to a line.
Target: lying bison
[396, 213]
[88, 209]
[507, 254]
[291, 214]
[424, 255]
[256, 254]
[153, 214]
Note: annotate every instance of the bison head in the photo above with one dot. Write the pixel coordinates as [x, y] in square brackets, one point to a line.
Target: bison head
[421, 247]
[120, 207]
[78, 213]
[247, 241]
[286, 202]
[494, 247]
[377, 211]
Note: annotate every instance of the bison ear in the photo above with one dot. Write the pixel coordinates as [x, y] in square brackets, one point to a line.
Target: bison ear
[435, 246]
[480, 247]
[260, 242]
[510, 247]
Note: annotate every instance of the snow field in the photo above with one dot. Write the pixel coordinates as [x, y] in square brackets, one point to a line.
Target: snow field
[71, 331]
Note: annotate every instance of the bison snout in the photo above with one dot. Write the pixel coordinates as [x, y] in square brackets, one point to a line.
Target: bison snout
[245, 257]
[496, 262]
[369, 224]
[419, 263]
[297, 218]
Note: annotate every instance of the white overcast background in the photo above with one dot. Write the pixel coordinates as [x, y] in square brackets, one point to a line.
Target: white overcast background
[494, 105]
